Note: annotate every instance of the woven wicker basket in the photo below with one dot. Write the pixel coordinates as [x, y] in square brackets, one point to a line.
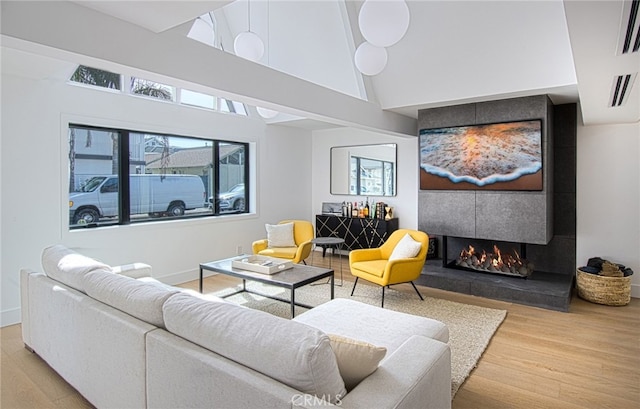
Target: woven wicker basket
[604, 290]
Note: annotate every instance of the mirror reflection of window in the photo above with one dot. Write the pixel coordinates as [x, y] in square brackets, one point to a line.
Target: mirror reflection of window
[368, 177]
[371, 177]
[353, 176]
[366, 170]
[387, 179]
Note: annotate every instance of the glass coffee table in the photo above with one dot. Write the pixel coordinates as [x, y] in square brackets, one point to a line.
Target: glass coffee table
[295, 277]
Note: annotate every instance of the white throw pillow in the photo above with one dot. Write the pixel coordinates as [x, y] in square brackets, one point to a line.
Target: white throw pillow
[407, 247]
[280, 235]
[356, 359]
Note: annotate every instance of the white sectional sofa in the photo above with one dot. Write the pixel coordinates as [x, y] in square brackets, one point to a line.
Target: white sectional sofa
[124, 340]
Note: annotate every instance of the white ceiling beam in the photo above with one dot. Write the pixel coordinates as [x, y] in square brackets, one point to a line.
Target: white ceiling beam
[69, 27]
[154, 15]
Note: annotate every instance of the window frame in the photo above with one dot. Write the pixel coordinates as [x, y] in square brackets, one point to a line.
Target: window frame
[220, 104]
[124, 172]
[133, 81]
[118, 88]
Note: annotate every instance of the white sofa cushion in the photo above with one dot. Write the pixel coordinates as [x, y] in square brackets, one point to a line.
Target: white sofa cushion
[68, 267]
[96, 348]
[133, 270]
[295, 354]
[381, 327]
[135, 297]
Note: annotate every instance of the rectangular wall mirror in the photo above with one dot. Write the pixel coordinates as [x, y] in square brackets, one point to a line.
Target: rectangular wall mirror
[365, 170]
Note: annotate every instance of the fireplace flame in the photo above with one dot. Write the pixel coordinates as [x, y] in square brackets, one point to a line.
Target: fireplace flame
[497, 261]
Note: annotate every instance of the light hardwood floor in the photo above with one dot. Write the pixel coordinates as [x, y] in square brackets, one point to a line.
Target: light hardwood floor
[586, 358]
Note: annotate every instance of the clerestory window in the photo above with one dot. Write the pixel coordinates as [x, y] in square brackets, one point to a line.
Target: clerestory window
[97, 77]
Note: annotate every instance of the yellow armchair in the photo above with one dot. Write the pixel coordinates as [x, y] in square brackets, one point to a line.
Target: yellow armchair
[375, 265]
[302, 234]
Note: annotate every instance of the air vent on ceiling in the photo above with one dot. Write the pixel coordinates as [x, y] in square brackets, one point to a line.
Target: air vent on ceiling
[629, 36]
[621, 88]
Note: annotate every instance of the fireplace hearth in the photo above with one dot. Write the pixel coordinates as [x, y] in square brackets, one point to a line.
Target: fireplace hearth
[551, 291]
[545, 287]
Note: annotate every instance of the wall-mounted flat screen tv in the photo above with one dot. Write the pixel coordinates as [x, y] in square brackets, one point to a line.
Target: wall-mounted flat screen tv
[497, 156]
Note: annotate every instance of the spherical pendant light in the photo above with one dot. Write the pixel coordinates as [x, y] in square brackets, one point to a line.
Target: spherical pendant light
[249, 45]
[266, 113]
[383, 22]
[369, 59]
[203, 32]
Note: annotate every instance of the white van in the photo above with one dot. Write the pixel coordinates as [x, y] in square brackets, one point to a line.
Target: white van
[156, 195]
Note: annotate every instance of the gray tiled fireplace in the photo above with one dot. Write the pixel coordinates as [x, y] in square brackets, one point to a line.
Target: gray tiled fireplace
[542, 223]
[549, 286]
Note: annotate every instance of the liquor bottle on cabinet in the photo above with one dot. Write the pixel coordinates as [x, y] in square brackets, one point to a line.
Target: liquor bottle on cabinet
[357, 232]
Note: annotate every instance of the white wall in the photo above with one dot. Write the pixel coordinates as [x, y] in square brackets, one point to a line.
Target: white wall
[405, 203]
[35, 113]
[608, 196]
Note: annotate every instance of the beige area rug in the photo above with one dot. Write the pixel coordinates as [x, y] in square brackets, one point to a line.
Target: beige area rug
[470, 327]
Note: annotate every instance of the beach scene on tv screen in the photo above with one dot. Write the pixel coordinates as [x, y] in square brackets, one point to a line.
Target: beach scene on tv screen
[503, 156]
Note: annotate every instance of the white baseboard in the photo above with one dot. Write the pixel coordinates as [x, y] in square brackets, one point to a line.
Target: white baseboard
[183, 277]
[10, 317]
[635, 290]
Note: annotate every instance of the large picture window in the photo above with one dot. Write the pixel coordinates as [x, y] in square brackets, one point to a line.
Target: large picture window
[119, 176]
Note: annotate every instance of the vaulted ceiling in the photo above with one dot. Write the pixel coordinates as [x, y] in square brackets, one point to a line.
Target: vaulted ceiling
[453, 52]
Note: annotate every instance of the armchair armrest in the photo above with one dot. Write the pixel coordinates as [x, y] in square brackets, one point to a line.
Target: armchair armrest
[304, 250]
[259, 245]
[133, 270]
[403, 270]
[364, 255]
[417, 374]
